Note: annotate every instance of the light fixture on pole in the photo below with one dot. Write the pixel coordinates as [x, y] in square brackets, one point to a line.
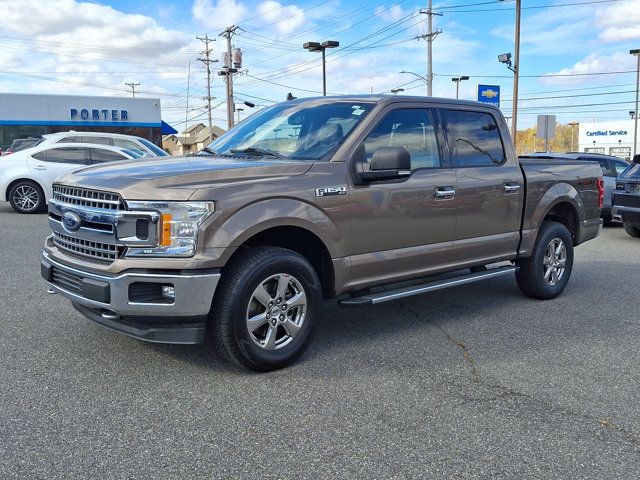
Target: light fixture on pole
[632, 114]
[458, 80]
[416, 75]
[238, 110]
[636, 53]
[321, 47]
[396, 90]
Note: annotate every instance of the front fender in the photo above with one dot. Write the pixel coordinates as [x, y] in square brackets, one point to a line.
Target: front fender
[257, 217]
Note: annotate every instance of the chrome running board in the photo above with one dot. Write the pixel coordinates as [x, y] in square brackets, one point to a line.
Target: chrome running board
[388, 295]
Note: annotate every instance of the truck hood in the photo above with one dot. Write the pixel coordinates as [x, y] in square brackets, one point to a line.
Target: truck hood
[177, 178]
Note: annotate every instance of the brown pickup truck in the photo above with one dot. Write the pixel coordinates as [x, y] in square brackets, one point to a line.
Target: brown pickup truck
[361, 198]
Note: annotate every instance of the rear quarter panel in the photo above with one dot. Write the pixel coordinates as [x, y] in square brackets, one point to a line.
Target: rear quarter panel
[550, 183]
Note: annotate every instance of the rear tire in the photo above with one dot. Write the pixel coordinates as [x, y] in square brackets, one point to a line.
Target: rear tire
[545, 274]
[265, 308]
[26, 197]
[631, 230]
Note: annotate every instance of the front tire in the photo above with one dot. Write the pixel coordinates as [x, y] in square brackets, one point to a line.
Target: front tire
[631, 230]
[26, 197]
[545, 274]
[265, 308]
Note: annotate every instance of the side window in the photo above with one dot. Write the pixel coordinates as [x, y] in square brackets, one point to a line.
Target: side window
[100, 155]
[620, 166]
[606, 168]
[40, 156]
[409, 128]
[476, 139]
[66, 155]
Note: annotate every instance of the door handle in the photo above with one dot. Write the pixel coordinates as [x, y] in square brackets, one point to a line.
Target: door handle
[39, 167]
[445, 192]
[511, 187]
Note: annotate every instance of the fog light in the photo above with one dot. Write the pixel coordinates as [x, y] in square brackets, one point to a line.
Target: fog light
[168, 292]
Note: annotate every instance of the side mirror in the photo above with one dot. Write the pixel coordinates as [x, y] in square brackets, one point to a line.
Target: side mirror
[391, 158]
[636, 158]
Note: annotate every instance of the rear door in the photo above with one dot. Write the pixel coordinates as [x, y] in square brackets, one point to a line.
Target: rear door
[490, 185]
[48, 164]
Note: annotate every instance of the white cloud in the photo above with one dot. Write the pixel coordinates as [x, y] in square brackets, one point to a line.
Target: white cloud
[285, 19]
[619, 22]
[221, 14]
[594, 63]
[391, 14]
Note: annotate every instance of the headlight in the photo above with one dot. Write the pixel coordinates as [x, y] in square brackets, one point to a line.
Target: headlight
[178, 230]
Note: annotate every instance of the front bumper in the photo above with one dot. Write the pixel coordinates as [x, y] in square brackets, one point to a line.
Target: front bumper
[630, 215]
[107, 300]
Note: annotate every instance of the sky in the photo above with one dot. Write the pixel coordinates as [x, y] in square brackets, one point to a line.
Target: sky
[575, 60]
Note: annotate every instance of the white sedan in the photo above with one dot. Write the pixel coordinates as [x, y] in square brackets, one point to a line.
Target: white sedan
[26, 177]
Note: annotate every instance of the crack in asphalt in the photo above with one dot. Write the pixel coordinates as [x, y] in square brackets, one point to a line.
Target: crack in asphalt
[504, 391]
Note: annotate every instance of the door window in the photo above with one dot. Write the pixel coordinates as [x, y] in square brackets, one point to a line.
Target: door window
[65, 155]
[100, 155]
[476, 139]
[412, 129]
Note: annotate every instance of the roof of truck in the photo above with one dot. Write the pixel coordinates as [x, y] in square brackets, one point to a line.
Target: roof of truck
[381, 98]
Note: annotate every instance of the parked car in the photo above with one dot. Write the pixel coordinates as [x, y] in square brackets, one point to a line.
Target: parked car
[323, 197]
[136, 144]
[626, 200]
[611, 168]
[20, 144]
[26, 178]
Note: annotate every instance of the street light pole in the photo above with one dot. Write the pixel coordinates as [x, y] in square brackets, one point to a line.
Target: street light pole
[321, 47]
[636, 52]
[457, 80]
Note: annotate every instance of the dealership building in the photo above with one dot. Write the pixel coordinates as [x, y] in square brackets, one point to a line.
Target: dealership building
[25, 115]
[611, 138]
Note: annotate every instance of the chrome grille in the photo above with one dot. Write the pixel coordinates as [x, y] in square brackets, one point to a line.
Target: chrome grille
[85, 248]
[87, 198]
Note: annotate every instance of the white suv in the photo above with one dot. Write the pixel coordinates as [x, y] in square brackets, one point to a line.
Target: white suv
[136, 144]
[26, 177]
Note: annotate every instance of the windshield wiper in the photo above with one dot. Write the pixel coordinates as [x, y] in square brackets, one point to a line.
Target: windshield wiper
[255, 151]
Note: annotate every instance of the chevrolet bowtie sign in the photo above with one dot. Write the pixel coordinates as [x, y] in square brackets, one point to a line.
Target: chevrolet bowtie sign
[489, 94]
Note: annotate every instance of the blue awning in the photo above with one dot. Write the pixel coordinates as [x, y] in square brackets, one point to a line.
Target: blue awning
[167, 129]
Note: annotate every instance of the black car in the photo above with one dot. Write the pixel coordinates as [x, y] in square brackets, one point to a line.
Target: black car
[626, 198]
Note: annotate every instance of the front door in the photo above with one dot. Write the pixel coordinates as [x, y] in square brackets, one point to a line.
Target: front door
[406, 227]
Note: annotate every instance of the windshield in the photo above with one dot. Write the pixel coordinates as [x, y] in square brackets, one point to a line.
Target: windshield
[153, 147]
[300, 131]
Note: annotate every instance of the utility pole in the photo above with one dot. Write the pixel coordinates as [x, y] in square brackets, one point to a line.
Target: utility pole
[133, 88]
[636, 53]
[429, 37]
[207, 60]
[228, 71]
[516, 75]
[186, 112]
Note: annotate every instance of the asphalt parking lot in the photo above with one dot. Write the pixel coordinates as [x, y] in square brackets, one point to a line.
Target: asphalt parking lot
[473, 382]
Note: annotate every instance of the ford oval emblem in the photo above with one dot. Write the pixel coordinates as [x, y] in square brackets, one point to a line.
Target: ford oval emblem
[71, 221]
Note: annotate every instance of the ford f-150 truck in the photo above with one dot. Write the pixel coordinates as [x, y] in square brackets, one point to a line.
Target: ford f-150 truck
[361, 198]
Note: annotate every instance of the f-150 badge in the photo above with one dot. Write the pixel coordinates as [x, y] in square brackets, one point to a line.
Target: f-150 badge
[329, 191]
